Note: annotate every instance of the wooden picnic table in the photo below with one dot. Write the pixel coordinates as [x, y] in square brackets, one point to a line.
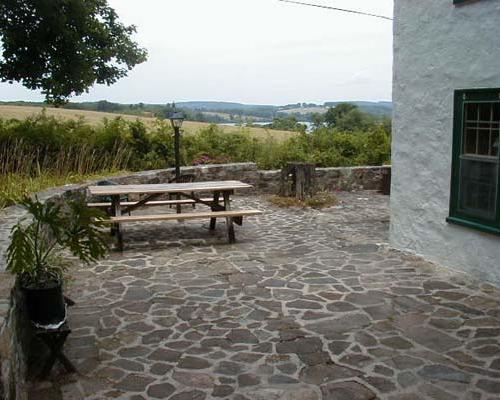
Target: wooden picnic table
[191, 191]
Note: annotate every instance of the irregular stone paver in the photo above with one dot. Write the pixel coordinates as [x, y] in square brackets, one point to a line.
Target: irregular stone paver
[308, 304]
[161, 391]
[346, 391]
[444, 373]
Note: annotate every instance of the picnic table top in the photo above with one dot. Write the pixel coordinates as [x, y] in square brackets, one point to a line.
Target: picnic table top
[110, 190]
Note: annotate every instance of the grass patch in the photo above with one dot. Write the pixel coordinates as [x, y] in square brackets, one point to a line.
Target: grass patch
[318, 201]
[14, 186]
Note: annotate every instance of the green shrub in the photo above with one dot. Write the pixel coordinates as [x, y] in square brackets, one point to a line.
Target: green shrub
[46, 149]
[39, 238]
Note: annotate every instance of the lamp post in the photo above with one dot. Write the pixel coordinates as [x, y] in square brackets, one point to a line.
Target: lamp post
[177, 118]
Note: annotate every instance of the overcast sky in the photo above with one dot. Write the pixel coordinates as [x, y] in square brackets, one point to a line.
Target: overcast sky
[250, 51]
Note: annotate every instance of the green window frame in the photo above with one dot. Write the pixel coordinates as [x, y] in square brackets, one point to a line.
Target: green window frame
[475, 179]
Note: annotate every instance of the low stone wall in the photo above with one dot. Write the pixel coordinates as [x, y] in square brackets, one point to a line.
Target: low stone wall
[15, 336]
[13, 326]
[268, 182]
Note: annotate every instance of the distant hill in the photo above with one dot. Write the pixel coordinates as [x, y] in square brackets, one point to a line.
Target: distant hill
[380, 108]
[221, 112]
[222, 105]
[234, 111]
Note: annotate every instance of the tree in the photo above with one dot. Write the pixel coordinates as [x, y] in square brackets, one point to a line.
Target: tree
[318, 120]
[288, 123]
[166, 111]
[106, 106]
[63, 47]
[333, 114]
[348, 117]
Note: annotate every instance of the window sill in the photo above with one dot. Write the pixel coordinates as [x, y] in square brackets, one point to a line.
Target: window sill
[474, 225]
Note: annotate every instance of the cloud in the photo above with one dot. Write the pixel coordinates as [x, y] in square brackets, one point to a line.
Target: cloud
[259, 51]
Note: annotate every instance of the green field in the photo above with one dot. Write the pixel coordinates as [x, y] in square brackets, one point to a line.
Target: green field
[95, 118]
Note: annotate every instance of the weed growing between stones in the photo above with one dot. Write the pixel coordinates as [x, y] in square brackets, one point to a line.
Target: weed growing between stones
[319, 200]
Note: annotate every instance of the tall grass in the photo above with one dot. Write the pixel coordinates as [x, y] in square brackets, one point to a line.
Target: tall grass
[42, 152]
[14, 186]
[21, 159]
[25, 170]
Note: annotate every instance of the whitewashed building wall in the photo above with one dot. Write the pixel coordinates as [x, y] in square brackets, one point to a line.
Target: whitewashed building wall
[438, 47]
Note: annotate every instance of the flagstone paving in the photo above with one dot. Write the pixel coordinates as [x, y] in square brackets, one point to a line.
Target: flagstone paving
[308, 305]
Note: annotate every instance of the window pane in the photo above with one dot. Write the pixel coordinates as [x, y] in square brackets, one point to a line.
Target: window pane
[481, 126]
[471, 112]
[483, 146]
[478, 188]
[496, 112]
[485, 111]
[495, 130]
[470, 141]
[494, 142]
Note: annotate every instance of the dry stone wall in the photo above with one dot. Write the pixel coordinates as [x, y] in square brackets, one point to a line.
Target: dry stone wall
[268, 182]
[12, 365]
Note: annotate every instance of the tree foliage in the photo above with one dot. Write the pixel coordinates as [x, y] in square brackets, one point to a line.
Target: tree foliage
[44, 143]
[63, 47]
[347, 117]
[287, 123]
[317, 120]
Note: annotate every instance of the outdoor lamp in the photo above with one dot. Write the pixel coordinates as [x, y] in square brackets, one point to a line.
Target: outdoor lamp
[177, 118]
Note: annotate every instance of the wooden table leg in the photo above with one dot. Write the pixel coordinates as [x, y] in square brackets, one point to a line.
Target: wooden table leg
[179, 207]
[117, 212]
[215, 203]
[229, 220]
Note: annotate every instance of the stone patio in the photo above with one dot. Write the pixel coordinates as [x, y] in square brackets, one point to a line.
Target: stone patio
[308, 305]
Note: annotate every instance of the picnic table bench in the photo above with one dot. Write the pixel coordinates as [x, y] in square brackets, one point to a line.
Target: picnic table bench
[219, 203]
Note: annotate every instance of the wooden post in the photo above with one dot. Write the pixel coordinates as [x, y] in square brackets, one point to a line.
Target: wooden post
[117, 211]
[177, 145]
[214, 207]
[229, 220]
[298, 180]
[286, 181]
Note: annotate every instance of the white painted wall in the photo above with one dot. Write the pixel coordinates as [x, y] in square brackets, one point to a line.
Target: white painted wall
[438, 47]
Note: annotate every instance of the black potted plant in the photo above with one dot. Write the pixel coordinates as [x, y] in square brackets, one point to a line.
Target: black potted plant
[35, 253]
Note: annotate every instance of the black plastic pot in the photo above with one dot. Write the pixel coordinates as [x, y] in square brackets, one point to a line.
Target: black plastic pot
[46, 306]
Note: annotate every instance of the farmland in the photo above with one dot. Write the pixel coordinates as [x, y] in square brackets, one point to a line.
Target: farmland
[96, 118]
